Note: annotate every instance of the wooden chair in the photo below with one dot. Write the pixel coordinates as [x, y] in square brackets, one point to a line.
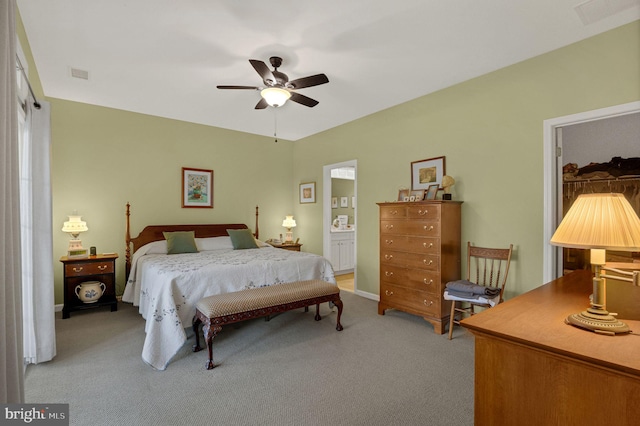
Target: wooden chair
[486, 267]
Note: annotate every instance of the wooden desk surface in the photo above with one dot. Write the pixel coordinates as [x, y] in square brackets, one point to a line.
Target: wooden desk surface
[536, 319]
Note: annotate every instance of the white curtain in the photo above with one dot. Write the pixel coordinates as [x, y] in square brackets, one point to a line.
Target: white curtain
[37, 252]
[11, 355]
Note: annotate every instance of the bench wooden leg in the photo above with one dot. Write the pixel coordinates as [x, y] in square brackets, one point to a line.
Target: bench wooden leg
[318, 317]
[195, 326]
[338, 303]
[209, 333]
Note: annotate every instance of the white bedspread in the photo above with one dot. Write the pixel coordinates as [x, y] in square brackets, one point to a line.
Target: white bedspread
[167, 287]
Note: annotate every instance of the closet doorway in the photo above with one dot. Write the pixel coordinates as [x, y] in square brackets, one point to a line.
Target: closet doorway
[561, 135]
[339, 218]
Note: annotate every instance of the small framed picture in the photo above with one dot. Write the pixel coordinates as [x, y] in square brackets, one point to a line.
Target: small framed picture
[307, 192]
[427, 172]
[344, 202]
[353, 202]
[418, 195]
[197, 188]
[334, 202]
[432, 191]
[402, 194]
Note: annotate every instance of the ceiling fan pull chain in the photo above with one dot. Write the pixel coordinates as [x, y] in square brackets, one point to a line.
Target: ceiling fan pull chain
[275, 124]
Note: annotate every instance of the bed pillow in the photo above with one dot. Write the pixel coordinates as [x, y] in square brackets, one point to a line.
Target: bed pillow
[214, 243]
[156, 247]
[180, 242]
[242, 239]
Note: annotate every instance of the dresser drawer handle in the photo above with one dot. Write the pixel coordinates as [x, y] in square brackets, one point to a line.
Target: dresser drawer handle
[427, 282]
[388, 241]
[394, 212]
[388, 256]
[427, 246]
[102, 267]
[388, 274]
[423, 212]
[77, 269]
[388, 293]
[430, 262]
[428, 228]
[429, 303]
[389, 226]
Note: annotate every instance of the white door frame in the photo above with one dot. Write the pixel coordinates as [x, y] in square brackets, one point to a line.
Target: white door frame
[326, 214]
[552, 262]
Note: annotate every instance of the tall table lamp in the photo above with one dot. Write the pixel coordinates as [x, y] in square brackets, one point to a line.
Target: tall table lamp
[74, 226]
[289, 223]
[599, 222]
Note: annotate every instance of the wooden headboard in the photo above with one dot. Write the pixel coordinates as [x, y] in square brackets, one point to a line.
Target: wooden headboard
[153, 233]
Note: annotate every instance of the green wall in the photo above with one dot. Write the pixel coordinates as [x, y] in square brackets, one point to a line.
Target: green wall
[490, 131]
[104, 158]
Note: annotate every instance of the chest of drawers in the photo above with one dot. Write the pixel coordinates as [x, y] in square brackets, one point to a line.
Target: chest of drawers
[419, 253]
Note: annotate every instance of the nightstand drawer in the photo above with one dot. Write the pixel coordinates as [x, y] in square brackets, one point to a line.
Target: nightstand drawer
[85, 268]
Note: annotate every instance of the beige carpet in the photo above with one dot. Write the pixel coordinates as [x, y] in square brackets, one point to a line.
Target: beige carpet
[292, 370]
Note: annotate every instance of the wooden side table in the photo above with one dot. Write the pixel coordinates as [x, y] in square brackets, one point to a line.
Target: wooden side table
[102, 268]
[290, 247]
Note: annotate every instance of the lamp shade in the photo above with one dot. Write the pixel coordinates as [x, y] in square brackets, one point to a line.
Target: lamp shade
[75, 225]
[275, 96]
[599, 221]
[289, 222]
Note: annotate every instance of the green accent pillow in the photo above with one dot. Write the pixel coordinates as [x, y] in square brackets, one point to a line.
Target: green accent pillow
[242, 239]
[180, 242]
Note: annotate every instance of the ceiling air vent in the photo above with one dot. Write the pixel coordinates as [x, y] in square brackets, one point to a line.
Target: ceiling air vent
[595, 10]
[76, 73]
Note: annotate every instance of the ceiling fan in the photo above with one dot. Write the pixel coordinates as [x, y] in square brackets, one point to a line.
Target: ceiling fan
[277, 87]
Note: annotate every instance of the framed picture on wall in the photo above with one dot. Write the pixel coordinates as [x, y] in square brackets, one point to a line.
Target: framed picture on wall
[197, 188]
[427, 172]
[307, 192]
[344, 202]
[334, 202]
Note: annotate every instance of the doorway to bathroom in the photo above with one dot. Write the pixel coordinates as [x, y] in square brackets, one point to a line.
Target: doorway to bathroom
[339, 213]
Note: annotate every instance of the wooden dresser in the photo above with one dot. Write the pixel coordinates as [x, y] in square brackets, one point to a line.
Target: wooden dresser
[419, 253]
[533, 369]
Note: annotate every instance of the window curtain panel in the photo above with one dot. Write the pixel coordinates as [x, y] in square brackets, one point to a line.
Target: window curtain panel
[11, 350]
[36, 230]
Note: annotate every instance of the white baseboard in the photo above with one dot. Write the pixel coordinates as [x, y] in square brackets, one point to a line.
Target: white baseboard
[367, 295]
[58, 308]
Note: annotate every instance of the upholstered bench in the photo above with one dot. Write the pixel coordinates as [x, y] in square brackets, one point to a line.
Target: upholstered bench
[215, 311]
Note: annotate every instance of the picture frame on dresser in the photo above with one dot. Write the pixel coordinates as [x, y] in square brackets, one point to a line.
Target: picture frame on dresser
[432, 192]
[418, 195]
[403, 195]
[427, 172]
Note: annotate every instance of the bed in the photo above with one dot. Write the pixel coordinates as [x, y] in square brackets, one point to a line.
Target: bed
[166, 287]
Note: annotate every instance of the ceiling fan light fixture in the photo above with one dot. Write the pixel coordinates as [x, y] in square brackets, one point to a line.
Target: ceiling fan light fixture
[275, 96]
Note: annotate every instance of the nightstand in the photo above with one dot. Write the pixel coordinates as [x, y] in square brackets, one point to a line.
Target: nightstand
[102, 268]
[290, 247]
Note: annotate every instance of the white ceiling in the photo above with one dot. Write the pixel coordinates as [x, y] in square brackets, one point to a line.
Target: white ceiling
[165, 57]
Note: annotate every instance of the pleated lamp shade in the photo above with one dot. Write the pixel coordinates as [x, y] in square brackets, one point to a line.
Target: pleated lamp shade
[599, 221]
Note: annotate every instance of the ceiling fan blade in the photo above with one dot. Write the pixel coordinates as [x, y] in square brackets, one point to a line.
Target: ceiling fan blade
[262, 69]
[314, 80]
[239, 87]
[304, 100]
[262, 104]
